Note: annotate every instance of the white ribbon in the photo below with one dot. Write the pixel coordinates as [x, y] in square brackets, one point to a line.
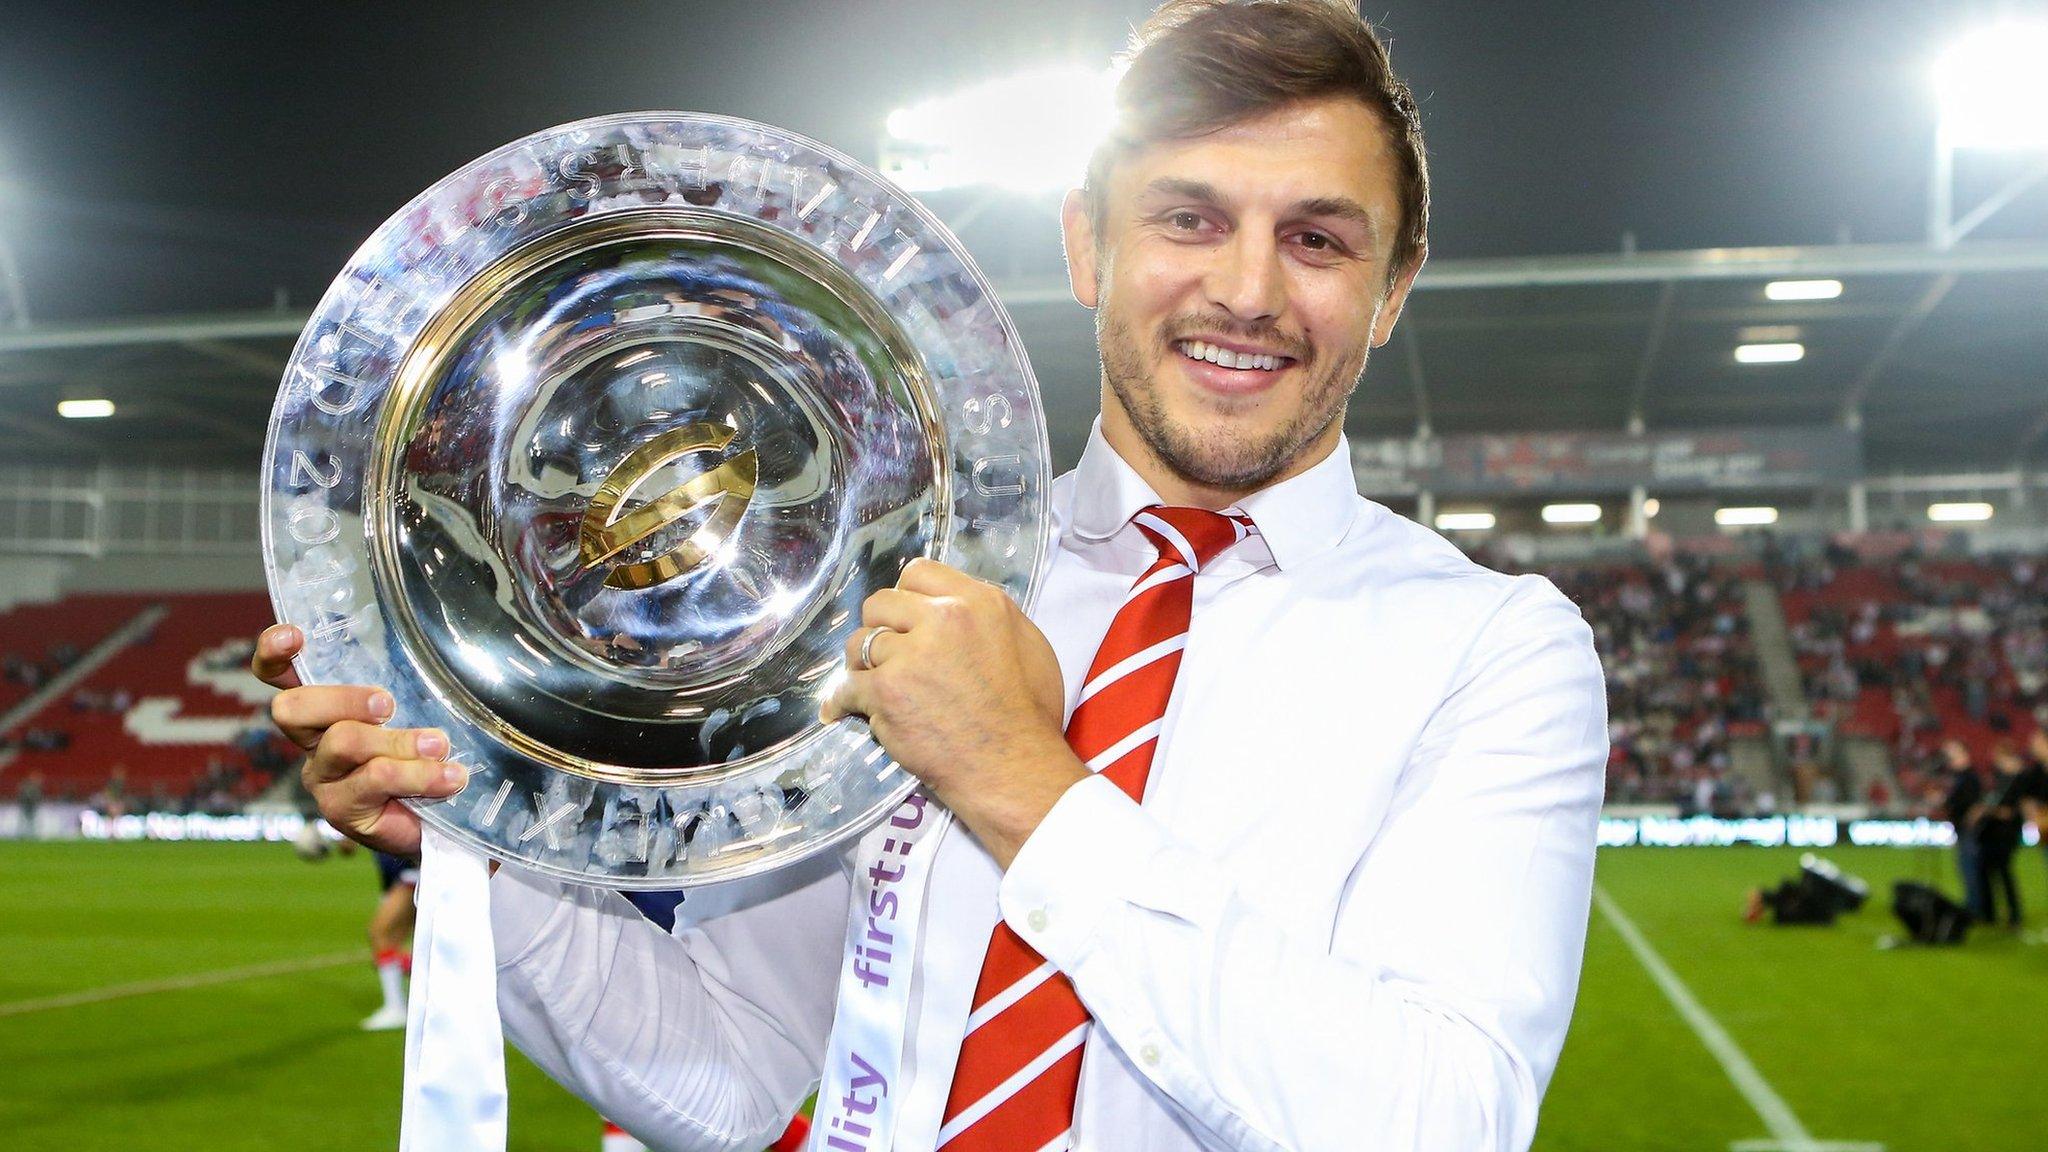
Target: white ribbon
[861, 1096]
[454, 1044]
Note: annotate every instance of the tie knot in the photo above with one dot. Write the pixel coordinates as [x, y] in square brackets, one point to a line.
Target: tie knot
[1193, 536]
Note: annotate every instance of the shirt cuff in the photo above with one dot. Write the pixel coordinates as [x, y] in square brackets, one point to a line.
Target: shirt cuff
[1087, 857]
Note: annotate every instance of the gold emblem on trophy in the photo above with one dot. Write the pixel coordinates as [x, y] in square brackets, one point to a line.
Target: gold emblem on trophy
[610, 530]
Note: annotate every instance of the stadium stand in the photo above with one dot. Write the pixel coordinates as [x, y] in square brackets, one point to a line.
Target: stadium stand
[1916, 651]
[39, 641]
[1894, 650]
[162, 713]
[1682, 679]
[1899, 652]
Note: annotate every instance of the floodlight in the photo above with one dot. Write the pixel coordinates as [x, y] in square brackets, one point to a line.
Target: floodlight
[1740, 517]
[1802, 289]
[1571, 513]
[85, 409]
[1464, 521]
[1029, 132]
[1993, 89]
[1769, 353]
[1963, 510]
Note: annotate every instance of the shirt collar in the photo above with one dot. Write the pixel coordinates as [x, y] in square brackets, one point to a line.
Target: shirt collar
[1297, 518]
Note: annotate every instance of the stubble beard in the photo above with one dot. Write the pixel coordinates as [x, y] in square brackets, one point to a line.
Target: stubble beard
[1218, 457]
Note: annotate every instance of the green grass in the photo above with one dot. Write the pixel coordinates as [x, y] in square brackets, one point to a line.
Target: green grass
[254, 1066]
[1920, 1049]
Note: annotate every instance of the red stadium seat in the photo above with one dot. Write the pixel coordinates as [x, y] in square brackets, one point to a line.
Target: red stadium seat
[183, 690]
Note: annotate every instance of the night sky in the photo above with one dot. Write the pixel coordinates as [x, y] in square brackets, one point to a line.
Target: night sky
[193, 157]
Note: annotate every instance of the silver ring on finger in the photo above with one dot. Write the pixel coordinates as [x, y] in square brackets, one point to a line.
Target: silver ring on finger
[867, 647]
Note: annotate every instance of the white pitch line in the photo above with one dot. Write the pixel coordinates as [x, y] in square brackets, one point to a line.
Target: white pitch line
[1787, 1133]
[179, 983]
[1821, 1145]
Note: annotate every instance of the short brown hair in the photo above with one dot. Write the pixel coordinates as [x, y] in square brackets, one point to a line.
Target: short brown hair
[1197, 66]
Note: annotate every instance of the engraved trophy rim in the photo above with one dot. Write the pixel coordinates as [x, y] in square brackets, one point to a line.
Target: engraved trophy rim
[351, 481]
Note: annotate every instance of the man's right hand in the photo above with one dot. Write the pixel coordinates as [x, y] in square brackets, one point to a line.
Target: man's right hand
[358, 769]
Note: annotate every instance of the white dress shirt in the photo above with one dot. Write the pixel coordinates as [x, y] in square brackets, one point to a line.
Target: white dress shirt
[1348, 914]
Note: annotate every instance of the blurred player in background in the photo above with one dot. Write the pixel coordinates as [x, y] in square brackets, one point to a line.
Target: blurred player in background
[391, 939]
[390, 924]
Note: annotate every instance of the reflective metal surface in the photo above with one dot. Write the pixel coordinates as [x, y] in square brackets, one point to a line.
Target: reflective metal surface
[592, 454]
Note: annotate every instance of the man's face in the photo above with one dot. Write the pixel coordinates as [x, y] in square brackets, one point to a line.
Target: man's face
[1239, 280]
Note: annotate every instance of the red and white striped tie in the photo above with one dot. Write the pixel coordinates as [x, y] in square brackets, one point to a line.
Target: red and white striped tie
[1020, 1064]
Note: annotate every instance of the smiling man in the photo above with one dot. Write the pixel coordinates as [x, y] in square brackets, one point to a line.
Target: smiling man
[1272, 827]
[1239, 280]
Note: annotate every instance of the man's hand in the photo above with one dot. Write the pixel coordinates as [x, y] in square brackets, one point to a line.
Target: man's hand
[966, 694]
[358, 769]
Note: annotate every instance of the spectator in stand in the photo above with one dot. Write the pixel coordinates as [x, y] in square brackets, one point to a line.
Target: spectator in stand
[1674, 640]
[264, 750]
[251, 740]
[112, 798]
[212, 791]
[1957, 804]
[1978, 670]
[1704, 790]
[29, 796]
[46, 739]
[1998, 833]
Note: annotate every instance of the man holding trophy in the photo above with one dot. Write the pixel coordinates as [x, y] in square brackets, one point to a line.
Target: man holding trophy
[1271, 826]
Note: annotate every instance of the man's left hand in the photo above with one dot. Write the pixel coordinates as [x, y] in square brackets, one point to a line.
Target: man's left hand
[966, 694]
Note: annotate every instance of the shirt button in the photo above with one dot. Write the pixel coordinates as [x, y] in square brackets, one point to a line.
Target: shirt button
[1037, 919]
[1149, 1054]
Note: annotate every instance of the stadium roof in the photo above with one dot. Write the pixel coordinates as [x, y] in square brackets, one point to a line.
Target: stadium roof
[1945, 355]
[201, 165]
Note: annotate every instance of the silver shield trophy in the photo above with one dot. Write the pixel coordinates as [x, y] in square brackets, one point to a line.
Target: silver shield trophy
[591, 455]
